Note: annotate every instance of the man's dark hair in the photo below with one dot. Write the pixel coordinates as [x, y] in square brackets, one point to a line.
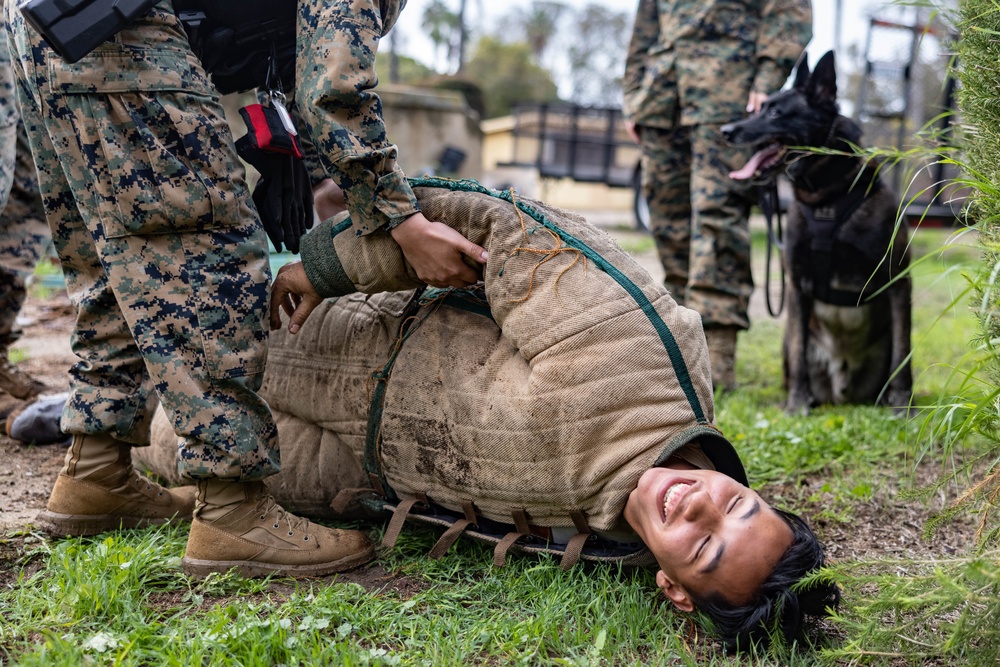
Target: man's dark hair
[776, 609]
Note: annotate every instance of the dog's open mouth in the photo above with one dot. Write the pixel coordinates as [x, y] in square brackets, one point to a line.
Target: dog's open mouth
[760, 163]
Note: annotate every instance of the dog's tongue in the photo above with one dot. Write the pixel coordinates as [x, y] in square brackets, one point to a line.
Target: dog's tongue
[750, 168]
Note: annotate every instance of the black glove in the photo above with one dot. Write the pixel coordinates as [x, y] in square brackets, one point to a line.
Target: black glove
[283, 194]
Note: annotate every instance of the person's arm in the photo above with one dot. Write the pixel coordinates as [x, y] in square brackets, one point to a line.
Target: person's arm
[292, 292]
[435, 251]
[301, 286]
[645, 34]
[343, 117]
[328, 199]
[785, 29]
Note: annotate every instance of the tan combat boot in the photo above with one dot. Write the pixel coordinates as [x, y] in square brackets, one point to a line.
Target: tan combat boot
[239, 525]
[722, 353]
[16, 382]
[98, 490]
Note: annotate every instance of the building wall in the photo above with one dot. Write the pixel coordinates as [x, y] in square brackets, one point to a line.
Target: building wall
[423, 122]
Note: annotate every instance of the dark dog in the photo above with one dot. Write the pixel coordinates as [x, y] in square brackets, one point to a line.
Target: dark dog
[847, 337]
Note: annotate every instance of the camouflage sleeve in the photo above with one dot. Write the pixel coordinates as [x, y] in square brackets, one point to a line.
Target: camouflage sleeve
[645, 34]
[8, 119]
[314, 165]
[335, 75]
[785, 29]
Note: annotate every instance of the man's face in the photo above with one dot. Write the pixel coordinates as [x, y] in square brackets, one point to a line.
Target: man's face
[708, 532]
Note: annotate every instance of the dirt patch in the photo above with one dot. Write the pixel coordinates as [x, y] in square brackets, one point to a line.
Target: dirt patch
[375, 578]
[891, 523]
[28, 472]
[15, 563]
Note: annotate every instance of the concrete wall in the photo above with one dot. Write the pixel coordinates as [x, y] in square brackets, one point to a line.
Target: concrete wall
[422, 122]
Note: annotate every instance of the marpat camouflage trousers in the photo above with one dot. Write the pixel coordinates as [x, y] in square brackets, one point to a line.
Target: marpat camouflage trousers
[163, 254]
[699, 219]
[24, 234]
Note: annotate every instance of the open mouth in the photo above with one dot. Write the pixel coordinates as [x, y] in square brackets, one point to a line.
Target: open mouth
[672, 495]
[761, 162]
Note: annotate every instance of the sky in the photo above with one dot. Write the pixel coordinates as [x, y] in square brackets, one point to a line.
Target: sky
[854, 25]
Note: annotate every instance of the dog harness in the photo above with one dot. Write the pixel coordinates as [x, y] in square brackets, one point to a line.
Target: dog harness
[824, 223]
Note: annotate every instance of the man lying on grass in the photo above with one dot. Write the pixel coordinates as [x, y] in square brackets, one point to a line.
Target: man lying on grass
[563, 406]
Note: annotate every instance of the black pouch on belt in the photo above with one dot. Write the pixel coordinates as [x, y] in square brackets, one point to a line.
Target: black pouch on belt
[74, 28]
[237, 41]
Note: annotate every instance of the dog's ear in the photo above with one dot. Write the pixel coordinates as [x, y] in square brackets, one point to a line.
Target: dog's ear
[822, 87]
[802, 73]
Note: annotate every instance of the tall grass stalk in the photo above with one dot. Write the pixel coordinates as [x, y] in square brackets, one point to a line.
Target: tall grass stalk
[949, 609]
[971, 409]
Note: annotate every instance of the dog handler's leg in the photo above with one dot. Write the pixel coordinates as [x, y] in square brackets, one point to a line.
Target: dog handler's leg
[720, 283]
[666, 184]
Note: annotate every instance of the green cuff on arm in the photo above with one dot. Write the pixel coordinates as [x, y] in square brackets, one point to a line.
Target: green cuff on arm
[321, 263]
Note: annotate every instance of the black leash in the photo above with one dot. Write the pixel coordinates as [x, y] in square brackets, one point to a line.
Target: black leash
[772, 213]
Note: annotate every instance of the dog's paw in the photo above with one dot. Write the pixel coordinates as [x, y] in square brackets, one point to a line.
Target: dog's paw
[797, 409]
[798, 403]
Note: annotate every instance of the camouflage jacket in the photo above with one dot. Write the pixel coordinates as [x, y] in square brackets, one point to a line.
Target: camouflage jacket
[696, 61]
[335, 78]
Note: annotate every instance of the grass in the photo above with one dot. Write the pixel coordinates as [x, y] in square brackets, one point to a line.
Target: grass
[47, 276]
[636, 243]
[122, 599]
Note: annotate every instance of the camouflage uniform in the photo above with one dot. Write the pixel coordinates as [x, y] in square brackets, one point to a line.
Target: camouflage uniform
[334, 74]
[8, 121]
[24, 238]
[24, 235]
[163, 255]
[691, 67]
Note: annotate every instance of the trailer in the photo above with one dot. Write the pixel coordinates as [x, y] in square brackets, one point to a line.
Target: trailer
[585, 144]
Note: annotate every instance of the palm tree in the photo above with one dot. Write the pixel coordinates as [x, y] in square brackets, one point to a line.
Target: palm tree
[540, 23]
[441, 23]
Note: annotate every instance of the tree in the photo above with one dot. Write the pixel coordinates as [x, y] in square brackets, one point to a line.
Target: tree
[410, 71]
[507, 74]
[448, 30]
[595, 73]
[442, 26]
[540, 24]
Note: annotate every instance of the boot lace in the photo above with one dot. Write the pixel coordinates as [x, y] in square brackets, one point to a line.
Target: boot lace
[267, 504]
[141, 480]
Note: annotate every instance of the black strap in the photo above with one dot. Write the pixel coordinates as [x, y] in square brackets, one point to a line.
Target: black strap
[241, 43]
[771, 208]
